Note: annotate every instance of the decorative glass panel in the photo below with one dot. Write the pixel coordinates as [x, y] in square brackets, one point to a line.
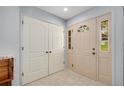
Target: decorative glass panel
[104, 42]
[69, 39]
[83, 28]
[69, 46]
[69, 33]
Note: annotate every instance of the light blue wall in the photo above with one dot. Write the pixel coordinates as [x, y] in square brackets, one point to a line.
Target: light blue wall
[9, 36]
[117, 36]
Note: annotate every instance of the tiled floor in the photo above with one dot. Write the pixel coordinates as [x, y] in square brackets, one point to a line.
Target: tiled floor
[65, 78]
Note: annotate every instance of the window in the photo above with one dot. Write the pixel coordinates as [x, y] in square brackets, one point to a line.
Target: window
[69, 39]
[104, 39]
[69, 33]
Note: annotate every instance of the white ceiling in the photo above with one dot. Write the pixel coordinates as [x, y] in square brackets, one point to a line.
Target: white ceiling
[58, 10]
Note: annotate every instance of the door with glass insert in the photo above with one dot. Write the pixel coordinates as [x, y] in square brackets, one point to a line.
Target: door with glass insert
[104, 43]
[84, 48]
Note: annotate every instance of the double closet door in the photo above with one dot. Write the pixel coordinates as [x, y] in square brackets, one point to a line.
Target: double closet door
[42, 51]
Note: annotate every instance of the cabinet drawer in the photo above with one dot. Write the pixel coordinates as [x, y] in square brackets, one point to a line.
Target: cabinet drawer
[6, 71]
[4, 63]
[4, 75]
[3, 69]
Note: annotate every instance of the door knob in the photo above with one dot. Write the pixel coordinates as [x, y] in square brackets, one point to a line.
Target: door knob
[46, 51]
[93, 53]
[93, 48]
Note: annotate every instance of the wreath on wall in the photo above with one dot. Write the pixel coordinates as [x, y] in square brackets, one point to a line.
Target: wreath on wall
[83, 28]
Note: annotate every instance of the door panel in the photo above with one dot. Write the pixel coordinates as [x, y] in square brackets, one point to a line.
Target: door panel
[70, 48]
[56, 46]
[35, 59]
[105, 60]
[83, 43]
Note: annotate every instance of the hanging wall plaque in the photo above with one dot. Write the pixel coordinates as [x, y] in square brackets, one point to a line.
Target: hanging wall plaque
[83, 28]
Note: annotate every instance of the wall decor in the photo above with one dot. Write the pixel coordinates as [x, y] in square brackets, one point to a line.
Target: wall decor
[83, 28]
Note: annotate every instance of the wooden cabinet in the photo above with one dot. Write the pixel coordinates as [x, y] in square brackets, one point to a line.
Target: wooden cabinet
[6, 71]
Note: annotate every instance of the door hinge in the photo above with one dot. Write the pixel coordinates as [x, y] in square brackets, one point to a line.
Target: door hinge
[22, 74]
[22, 48]
[22, 22]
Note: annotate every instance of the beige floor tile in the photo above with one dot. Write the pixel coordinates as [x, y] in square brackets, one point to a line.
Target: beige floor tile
[65, 78]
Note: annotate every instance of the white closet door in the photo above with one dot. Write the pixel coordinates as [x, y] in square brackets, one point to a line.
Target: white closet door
[35, 42]
[56, 49]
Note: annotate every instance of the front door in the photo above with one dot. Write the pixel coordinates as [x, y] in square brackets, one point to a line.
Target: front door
[84, 48]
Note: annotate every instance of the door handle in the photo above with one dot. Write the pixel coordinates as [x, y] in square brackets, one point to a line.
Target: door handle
[93, 53]
[46, 51]
[93, 48]
[50, 51]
